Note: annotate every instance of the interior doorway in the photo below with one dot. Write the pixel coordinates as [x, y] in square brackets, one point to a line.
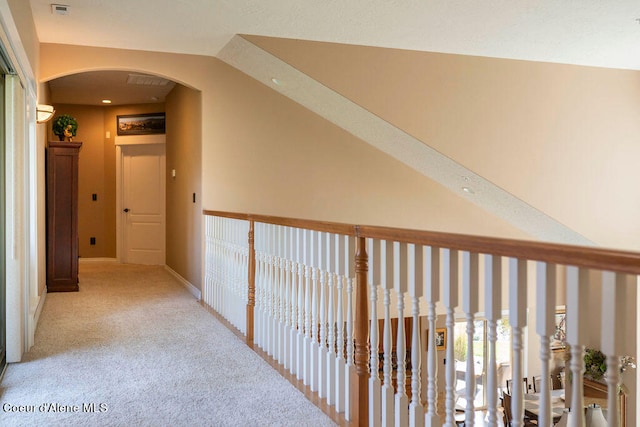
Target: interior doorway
[141, 196]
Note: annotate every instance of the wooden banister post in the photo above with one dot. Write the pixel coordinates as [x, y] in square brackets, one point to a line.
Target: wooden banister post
[251, 300]
[360, 380]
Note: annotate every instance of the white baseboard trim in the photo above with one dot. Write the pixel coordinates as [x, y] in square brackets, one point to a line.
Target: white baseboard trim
[192, 289]
[86, 260]
[33, 321]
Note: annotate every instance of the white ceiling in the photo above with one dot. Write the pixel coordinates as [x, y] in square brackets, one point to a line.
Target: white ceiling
[120, 87]
[587, 32]
[604, 33]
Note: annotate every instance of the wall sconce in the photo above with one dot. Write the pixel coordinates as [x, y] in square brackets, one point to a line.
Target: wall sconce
[44, 113]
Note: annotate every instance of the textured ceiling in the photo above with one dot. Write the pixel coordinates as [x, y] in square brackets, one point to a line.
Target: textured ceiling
[602, 33]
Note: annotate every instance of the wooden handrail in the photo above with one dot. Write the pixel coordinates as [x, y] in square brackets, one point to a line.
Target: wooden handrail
[309, 224]
[555, 253]
[579, 256]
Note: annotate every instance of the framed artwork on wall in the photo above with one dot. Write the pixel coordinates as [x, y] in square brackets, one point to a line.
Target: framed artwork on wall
[441, 338]
[558, 340]
[141, 124]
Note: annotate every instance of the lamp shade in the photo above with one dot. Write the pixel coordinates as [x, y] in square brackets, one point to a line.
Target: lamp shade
[564, 419]
[595, 417]
[44, 113]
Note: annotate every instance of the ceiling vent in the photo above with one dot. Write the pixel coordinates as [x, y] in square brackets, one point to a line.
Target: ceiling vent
[146, 80]
[60, 9]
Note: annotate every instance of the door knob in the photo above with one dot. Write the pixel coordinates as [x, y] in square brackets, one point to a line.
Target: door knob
[126, 209]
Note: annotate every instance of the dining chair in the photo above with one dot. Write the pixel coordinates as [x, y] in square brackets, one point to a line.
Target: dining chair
[537, 383]
[507, 417]
[525, 386]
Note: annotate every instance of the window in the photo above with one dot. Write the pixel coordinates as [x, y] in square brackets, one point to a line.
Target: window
[480, 359]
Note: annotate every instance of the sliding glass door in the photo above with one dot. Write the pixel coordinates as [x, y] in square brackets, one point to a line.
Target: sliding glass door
[3, 288]
[480, 359]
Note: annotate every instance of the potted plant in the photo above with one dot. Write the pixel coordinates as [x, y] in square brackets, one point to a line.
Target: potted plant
[595, 364]
[65, 127]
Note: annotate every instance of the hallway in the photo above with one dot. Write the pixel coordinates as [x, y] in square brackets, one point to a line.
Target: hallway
[133, 347]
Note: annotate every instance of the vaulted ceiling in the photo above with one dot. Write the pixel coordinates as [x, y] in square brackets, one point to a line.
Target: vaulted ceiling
[591, 33]
[587, 32]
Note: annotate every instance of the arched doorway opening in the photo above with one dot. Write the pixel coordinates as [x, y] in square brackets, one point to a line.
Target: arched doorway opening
[100, 211]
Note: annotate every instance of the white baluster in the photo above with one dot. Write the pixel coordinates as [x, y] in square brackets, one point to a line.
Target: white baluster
[314, 311]
[545, 327]
[288, 301]
[450, 280]
[307, 308]
[386, 257]
[577, 283]
[518, 320]
[400, 286]
[264, 296]
[275, 293]
[269, 288]
[340, 362]
[350, 255]
[416, 290]
[374, 361]
[301, 301]
[322, 349]
[432, 294]
[331, 337]
[293, 322]
[613, 344]
[493, 308]
[282, 295]
[286, 320]
[470, 288]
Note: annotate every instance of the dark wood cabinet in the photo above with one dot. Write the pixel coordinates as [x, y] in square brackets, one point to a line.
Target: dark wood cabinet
[62, 216]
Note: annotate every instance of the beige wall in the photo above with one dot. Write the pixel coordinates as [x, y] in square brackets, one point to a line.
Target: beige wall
[562, 138]
[184, 216]
[262, 153]
[96, 173]
[23, 18]
[269, 155]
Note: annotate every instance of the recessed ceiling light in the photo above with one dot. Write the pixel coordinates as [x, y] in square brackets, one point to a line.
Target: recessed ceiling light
[106, 101]
[468, 190]
[155, 98]
[277, 81]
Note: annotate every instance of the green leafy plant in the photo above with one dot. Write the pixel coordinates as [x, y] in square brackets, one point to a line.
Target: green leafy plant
[595, 363]
[62, 122]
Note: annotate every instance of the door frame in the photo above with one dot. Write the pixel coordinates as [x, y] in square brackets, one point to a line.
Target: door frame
[119, 142]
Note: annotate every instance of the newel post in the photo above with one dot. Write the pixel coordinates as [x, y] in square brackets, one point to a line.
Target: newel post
[360, 381]
[251, 300]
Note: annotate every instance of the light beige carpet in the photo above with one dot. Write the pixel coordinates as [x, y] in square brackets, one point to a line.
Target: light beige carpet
[137, 349]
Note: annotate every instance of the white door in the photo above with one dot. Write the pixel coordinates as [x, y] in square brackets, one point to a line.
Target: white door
[143, 204]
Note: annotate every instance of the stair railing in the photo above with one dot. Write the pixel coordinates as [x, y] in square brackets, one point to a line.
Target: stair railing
[305, 292]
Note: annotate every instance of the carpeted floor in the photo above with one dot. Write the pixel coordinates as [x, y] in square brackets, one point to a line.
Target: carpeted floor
[134, 348]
